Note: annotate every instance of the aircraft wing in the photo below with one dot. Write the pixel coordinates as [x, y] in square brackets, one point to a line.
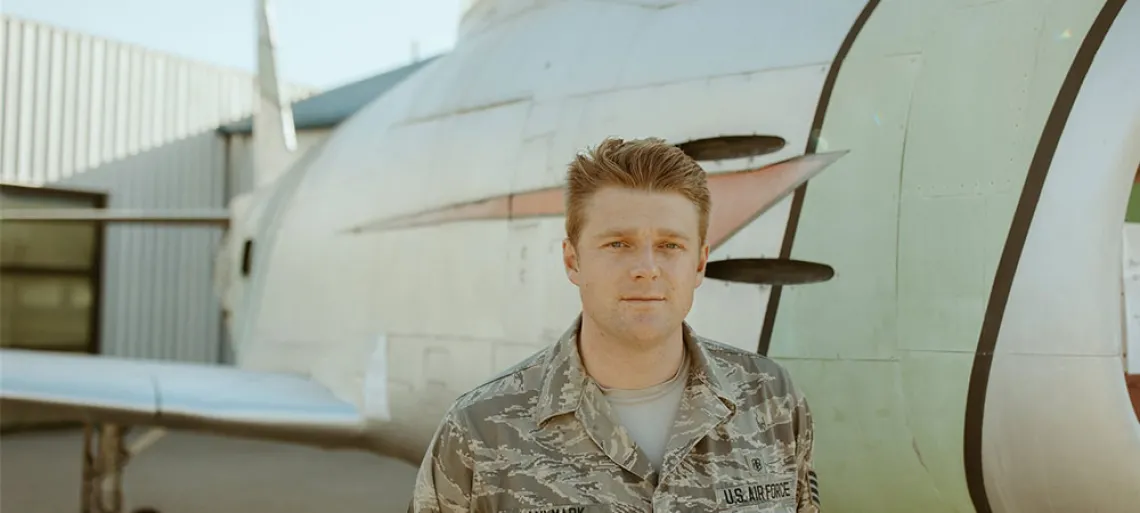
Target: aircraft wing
[211, 398]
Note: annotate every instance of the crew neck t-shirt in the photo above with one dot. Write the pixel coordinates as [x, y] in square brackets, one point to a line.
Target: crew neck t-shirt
[647, 414]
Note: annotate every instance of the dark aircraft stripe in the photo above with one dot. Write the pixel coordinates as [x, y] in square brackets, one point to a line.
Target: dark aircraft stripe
[813, 140]
[1015, 242]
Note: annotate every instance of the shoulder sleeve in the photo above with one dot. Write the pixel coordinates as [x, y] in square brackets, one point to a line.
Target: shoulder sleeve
[443, 483]
[807, 494]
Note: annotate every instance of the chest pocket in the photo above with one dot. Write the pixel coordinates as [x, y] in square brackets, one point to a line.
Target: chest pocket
[752, 477]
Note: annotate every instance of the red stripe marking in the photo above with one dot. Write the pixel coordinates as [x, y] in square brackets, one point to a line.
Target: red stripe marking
[738, 198]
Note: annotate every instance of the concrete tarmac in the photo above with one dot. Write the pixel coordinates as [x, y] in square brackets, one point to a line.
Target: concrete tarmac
[192, 473]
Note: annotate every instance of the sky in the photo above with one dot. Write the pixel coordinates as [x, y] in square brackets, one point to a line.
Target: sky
[320, 43]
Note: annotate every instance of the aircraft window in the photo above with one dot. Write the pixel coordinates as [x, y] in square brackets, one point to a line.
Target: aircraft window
[769, 271]
[732, 146]
[247, 257]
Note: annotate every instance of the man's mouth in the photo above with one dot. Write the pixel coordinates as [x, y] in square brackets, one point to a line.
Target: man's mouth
[643, 299]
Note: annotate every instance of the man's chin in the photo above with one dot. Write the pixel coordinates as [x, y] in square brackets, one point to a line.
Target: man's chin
[648, 329]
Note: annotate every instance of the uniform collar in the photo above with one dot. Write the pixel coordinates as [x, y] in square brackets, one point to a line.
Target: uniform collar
[565, 380]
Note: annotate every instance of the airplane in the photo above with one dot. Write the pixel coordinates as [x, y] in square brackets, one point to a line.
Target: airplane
[918, 212]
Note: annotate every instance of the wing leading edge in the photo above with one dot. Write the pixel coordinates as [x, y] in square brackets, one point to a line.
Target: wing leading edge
[211, 398]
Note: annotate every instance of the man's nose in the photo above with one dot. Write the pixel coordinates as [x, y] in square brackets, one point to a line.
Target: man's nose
[645, 264]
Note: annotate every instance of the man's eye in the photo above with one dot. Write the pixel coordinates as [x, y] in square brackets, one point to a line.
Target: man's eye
[616, 244]
[672, 245]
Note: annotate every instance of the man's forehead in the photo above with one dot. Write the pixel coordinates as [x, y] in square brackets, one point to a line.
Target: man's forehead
[634, 231]
[633, 212]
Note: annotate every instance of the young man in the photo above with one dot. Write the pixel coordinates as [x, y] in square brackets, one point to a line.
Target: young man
[631, 410]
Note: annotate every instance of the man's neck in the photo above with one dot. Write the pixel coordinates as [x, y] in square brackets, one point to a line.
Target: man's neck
[617, 364]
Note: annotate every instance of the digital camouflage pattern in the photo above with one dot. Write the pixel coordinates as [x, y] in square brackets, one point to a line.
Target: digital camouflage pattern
[541, 438]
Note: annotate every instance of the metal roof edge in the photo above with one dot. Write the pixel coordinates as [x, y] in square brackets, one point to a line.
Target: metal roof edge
[331, 107]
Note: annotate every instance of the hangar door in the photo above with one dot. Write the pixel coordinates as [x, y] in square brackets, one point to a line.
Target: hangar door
[50, 273]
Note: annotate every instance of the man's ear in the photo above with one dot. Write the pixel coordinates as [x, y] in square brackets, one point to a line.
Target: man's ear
[702, 263]
[570, 260]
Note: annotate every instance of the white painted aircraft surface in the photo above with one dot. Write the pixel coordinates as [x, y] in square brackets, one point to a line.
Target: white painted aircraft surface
[953, 301]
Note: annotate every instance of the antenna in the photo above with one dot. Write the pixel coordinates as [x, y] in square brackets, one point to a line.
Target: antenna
[274, 134]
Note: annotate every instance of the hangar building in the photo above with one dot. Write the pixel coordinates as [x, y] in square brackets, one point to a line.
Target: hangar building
[89, 122]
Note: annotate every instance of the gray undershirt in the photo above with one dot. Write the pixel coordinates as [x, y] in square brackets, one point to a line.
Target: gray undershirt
[648, 413]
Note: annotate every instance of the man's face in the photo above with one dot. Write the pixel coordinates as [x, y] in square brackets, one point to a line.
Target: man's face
[638, 261]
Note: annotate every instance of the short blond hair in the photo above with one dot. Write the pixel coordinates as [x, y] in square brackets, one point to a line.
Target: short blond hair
[649, 164]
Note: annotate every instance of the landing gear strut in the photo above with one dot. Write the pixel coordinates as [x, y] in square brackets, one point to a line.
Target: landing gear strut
[104, 458]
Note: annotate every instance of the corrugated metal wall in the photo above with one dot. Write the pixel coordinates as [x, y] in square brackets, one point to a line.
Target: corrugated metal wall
[158, 296]
[86, 112]
[70, 102]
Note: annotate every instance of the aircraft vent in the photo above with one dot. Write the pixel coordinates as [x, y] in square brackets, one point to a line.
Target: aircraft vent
[732, 147]
[769, 271]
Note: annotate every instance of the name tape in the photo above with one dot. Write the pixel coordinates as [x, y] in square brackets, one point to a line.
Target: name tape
[772, 491]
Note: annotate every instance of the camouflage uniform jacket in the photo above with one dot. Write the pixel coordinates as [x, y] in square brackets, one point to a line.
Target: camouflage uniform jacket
[541, 438]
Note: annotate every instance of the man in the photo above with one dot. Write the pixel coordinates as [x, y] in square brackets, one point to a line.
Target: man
[631, 410]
